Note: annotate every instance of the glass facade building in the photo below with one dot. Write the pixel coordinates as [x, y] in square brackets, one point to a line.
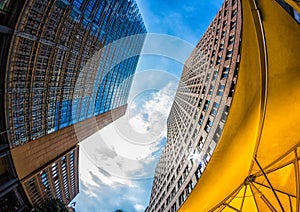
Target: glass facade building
[67, 63]
[199, 110]
[67, 67]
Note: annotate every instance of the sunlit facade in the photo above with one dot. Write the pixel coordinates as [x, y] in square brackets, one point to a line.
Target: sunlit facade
[199, 110]
[255, 166]
[58, 180]
[68, 67]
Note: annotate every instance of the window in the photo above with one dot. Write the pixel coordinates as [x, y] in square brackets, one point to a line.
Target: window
[233, 25]
[228, 54]
[204, 89]
[173, 208]
[198, 173]
[231, 91]
[189, 187]
[181, 198]
[215, 75]
[180, 182]
[221, 90]
[186, 171]
[89, 7]
[44, 179]
[221, 47]
[223, 34]
[211, 89]
[208, 126]
[215, 109]
[201, 119]
[173, 192]
[224, 114]
[225, 72]
[218, 60]
[206, 105]
[78, 3]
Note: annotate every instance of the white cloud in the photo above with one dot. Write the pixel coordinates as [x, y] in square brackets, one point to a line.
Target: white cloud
[138, 123]
[106, 159]
[110, 161]
[118, 154]
[100, 191]
[152, 114]
[139, 207]
[132, 106]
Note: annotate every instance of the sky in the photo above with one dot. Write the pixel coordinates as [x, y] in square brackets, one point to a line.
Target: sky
[116, 165]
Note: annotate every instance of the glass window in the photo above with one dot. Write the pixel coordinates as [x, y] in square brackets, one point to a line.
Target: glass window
[225, 72]
[89, 7]
[78, 3]
[221, 90]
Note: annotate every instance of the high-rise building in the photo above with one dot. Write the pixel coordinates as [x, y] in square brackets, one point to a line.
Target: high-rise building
[58, 180]
[199, 110]
[12, 195]
[255, 164]
[68, 67]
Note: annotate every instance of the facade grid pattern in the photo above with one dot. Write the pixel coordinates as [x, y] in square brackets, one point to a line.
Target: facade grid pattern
[199, 110]
[60, 47]
[58, 180]
[67, 69]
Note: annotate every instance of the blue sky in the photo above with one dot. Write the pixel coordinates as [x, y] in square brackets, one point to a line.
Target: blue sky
[116, 165]
[187, 20]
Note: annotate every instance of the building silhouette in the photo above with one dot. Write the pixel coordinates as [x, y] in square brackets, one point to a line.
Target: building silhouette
[66, 70]
[199, 110]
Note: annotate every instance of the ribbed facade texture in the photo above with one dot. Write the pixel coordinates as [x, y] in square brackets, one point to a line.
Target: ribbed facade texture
[63, 67]
[59, 180]
[199, 111]
[66, 70]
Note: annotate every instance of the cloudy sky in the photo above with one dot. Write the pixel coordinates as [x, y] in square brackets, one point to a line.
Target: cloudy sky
[116, 165]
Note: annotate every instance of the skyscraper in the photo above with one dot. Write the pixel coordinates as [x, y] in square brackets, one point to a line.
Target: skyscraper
[199, 110]
[12, 195]
[255, 166]
[68, 68]
[60, 180]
